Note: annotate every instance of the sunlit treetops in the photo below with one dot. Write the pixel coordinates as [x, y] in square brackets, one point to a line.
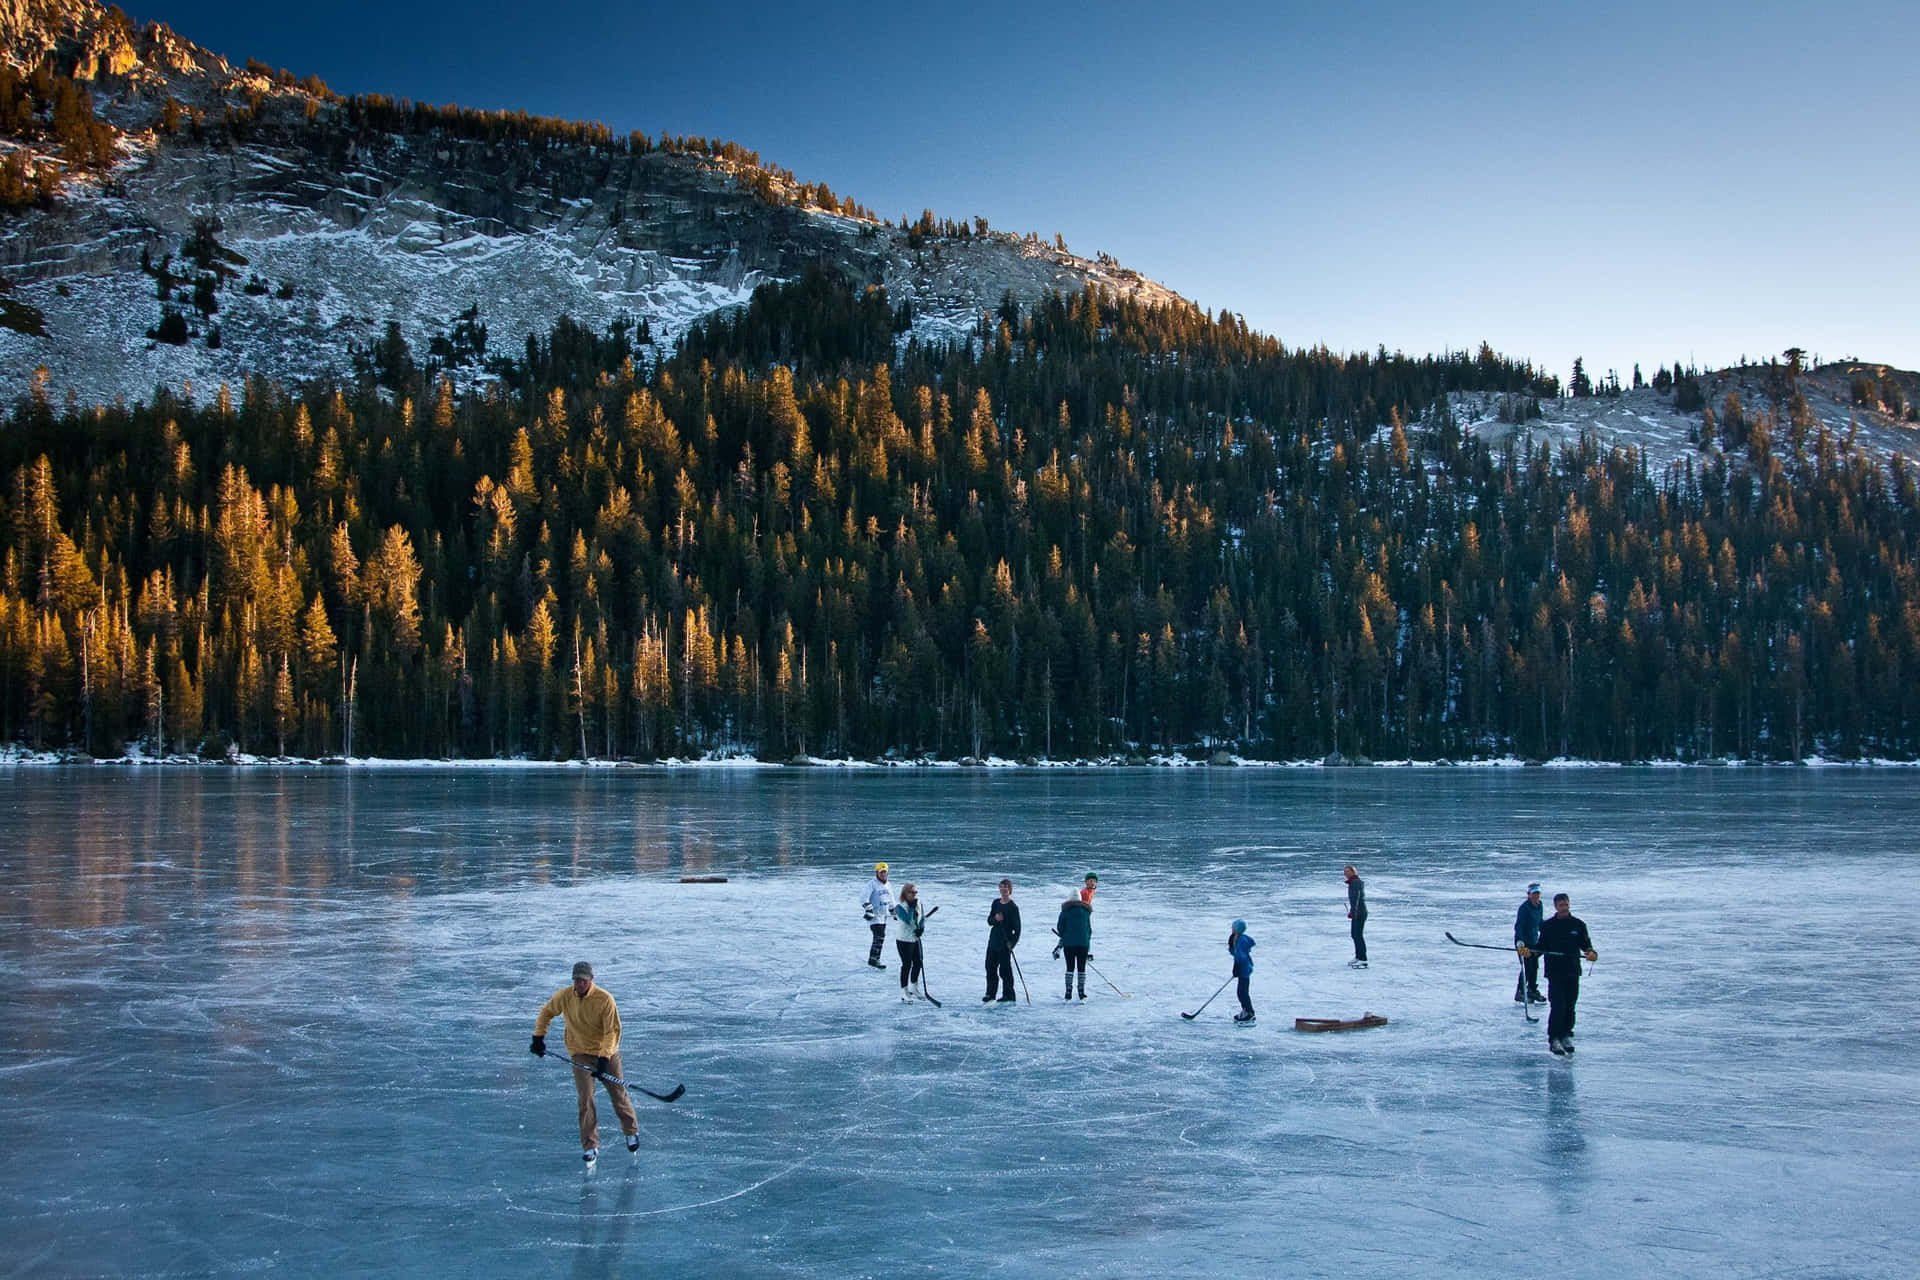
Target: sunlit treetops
[1094, 528]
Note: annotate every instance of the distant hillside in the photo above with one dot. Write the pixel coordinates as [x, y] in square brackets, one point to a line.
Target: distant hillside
[1872, 405]
[240, 221]
[1104, 531]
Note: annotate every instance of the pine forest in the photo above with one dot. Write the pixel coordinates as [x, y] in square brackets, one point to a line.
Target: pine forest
[1098, 530]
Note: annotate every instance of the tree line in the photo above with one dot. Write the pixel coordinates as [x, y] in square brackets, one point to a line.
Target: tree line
[1096, 528]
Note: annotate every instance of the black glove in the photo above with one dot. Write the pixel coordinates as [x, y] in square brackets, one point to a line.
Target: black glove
[1056, 951]
[599, 1068]
[539, 1047]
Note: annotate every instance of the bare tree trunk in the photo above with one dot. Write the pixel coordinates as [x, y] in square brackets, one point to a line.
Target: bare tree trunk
[580, 693]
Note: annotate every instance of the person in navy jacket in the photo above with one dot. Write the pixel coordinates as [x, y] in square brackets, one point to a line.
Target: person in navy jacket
[1526, 933]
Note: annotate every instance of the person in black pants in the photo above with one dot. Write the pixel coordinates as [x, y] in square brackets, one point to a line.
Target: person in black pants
[1526, 933]
[1075, 928]
[906, 939]
[1003, 935]
[1563, 940]
[877, 906]
[1240, 944]
[1357, 912]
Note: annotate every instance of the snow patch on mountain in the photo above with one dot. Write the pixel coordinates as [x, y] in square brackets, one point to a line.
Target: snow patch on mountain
[1647, 420]
[362, 227]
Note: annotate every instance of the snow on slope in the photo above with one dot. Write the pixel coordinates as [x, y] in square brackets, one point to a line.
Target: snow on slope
[390, 252]
[363, 228]
[1646, 420]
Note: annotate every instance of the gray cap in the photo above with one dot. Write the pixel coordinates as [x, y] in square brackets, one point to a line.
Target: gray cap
[581, 969]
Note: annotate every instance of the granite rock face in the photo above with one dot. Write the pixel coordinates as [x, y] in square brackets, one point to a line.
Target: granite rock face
[328, 230]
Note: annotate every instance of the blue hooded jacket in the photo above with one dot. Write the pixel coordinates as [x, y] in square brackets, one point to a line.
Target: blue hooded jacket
[1241, 944]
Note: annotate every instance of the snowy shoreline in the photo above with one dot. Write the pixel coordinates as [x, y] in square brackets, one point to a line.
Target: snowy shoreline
[17, 757]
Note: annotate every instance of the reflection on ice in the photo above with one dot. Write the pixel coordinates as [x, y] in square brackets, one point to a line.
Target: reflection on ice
[1563, 1140]
[308, 995]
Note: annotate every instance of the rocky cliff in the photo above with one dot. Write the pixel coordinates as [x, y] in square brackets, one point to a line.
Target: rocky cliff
[319, 223]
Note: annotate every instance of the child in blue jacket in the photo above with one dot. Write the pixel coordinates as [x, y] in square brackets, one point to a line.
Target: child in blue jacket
[1240, 943]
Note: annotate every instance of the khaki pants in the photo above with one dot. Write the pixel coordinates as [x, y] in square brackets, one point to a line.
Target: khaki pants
[589, 1118]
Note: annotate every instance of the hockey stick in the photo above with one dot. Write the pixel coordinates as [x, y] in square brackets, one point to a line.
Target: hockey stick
[1124, 995]
[633, 1088]
[1483, 946]
[923, 958]
[1526, 1004]
[1209, 1000]
[923, 982]
[1480, 945]
[1023, 977]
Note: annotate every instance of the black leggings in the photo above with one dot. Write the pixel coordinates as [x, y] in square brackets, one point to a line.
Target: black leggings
[1076, 959]
[909, 961]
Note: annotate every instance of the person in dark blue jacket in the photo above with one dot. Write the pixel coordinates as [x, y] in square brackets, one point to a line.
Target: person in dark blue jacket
[1526, 933]
[1240, 943]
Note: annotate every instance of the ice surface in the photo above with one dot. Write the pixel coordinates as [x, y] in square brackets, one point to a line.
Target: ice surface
[276, 1021]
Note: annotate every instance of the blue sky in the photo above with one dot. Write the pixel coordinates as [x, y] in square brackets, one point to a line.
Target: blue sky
[1624, 182]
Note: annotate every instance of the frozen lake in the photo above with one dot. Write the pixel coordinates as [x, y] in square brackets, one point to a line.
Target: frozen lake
[276, 1021]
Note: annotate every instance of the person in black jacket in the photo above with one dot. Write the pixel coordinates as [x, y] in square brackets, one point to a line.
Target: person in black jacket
[1357, 912]
[1003, 935]
[1563, 940]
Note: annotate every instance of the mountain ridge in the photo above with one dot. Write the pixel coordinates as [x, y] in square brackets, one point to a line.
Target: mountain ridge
[339, 215]
[285, 228]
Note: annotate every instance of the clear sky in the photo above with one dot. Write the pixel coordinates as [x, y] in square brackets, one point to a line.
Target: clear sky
[1623, 181]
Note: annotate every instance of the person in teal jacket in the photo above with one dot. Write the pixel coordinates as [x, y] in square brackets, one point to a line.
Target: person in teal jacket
[1240, 943]
[909, 924]
[1075, 928]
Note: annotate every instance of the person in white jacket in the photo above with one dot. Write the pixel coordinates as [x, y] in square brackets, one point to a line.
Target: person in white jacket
[910, 924]
[877, 906]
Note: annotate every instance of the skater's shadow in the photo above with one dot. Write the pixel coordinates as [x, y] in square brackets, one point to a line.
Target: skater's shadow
[606, 1216]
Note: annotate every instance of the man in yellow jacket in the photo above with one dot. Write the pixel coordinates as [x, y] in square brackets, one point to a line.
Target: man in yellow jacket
[593, 1042]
